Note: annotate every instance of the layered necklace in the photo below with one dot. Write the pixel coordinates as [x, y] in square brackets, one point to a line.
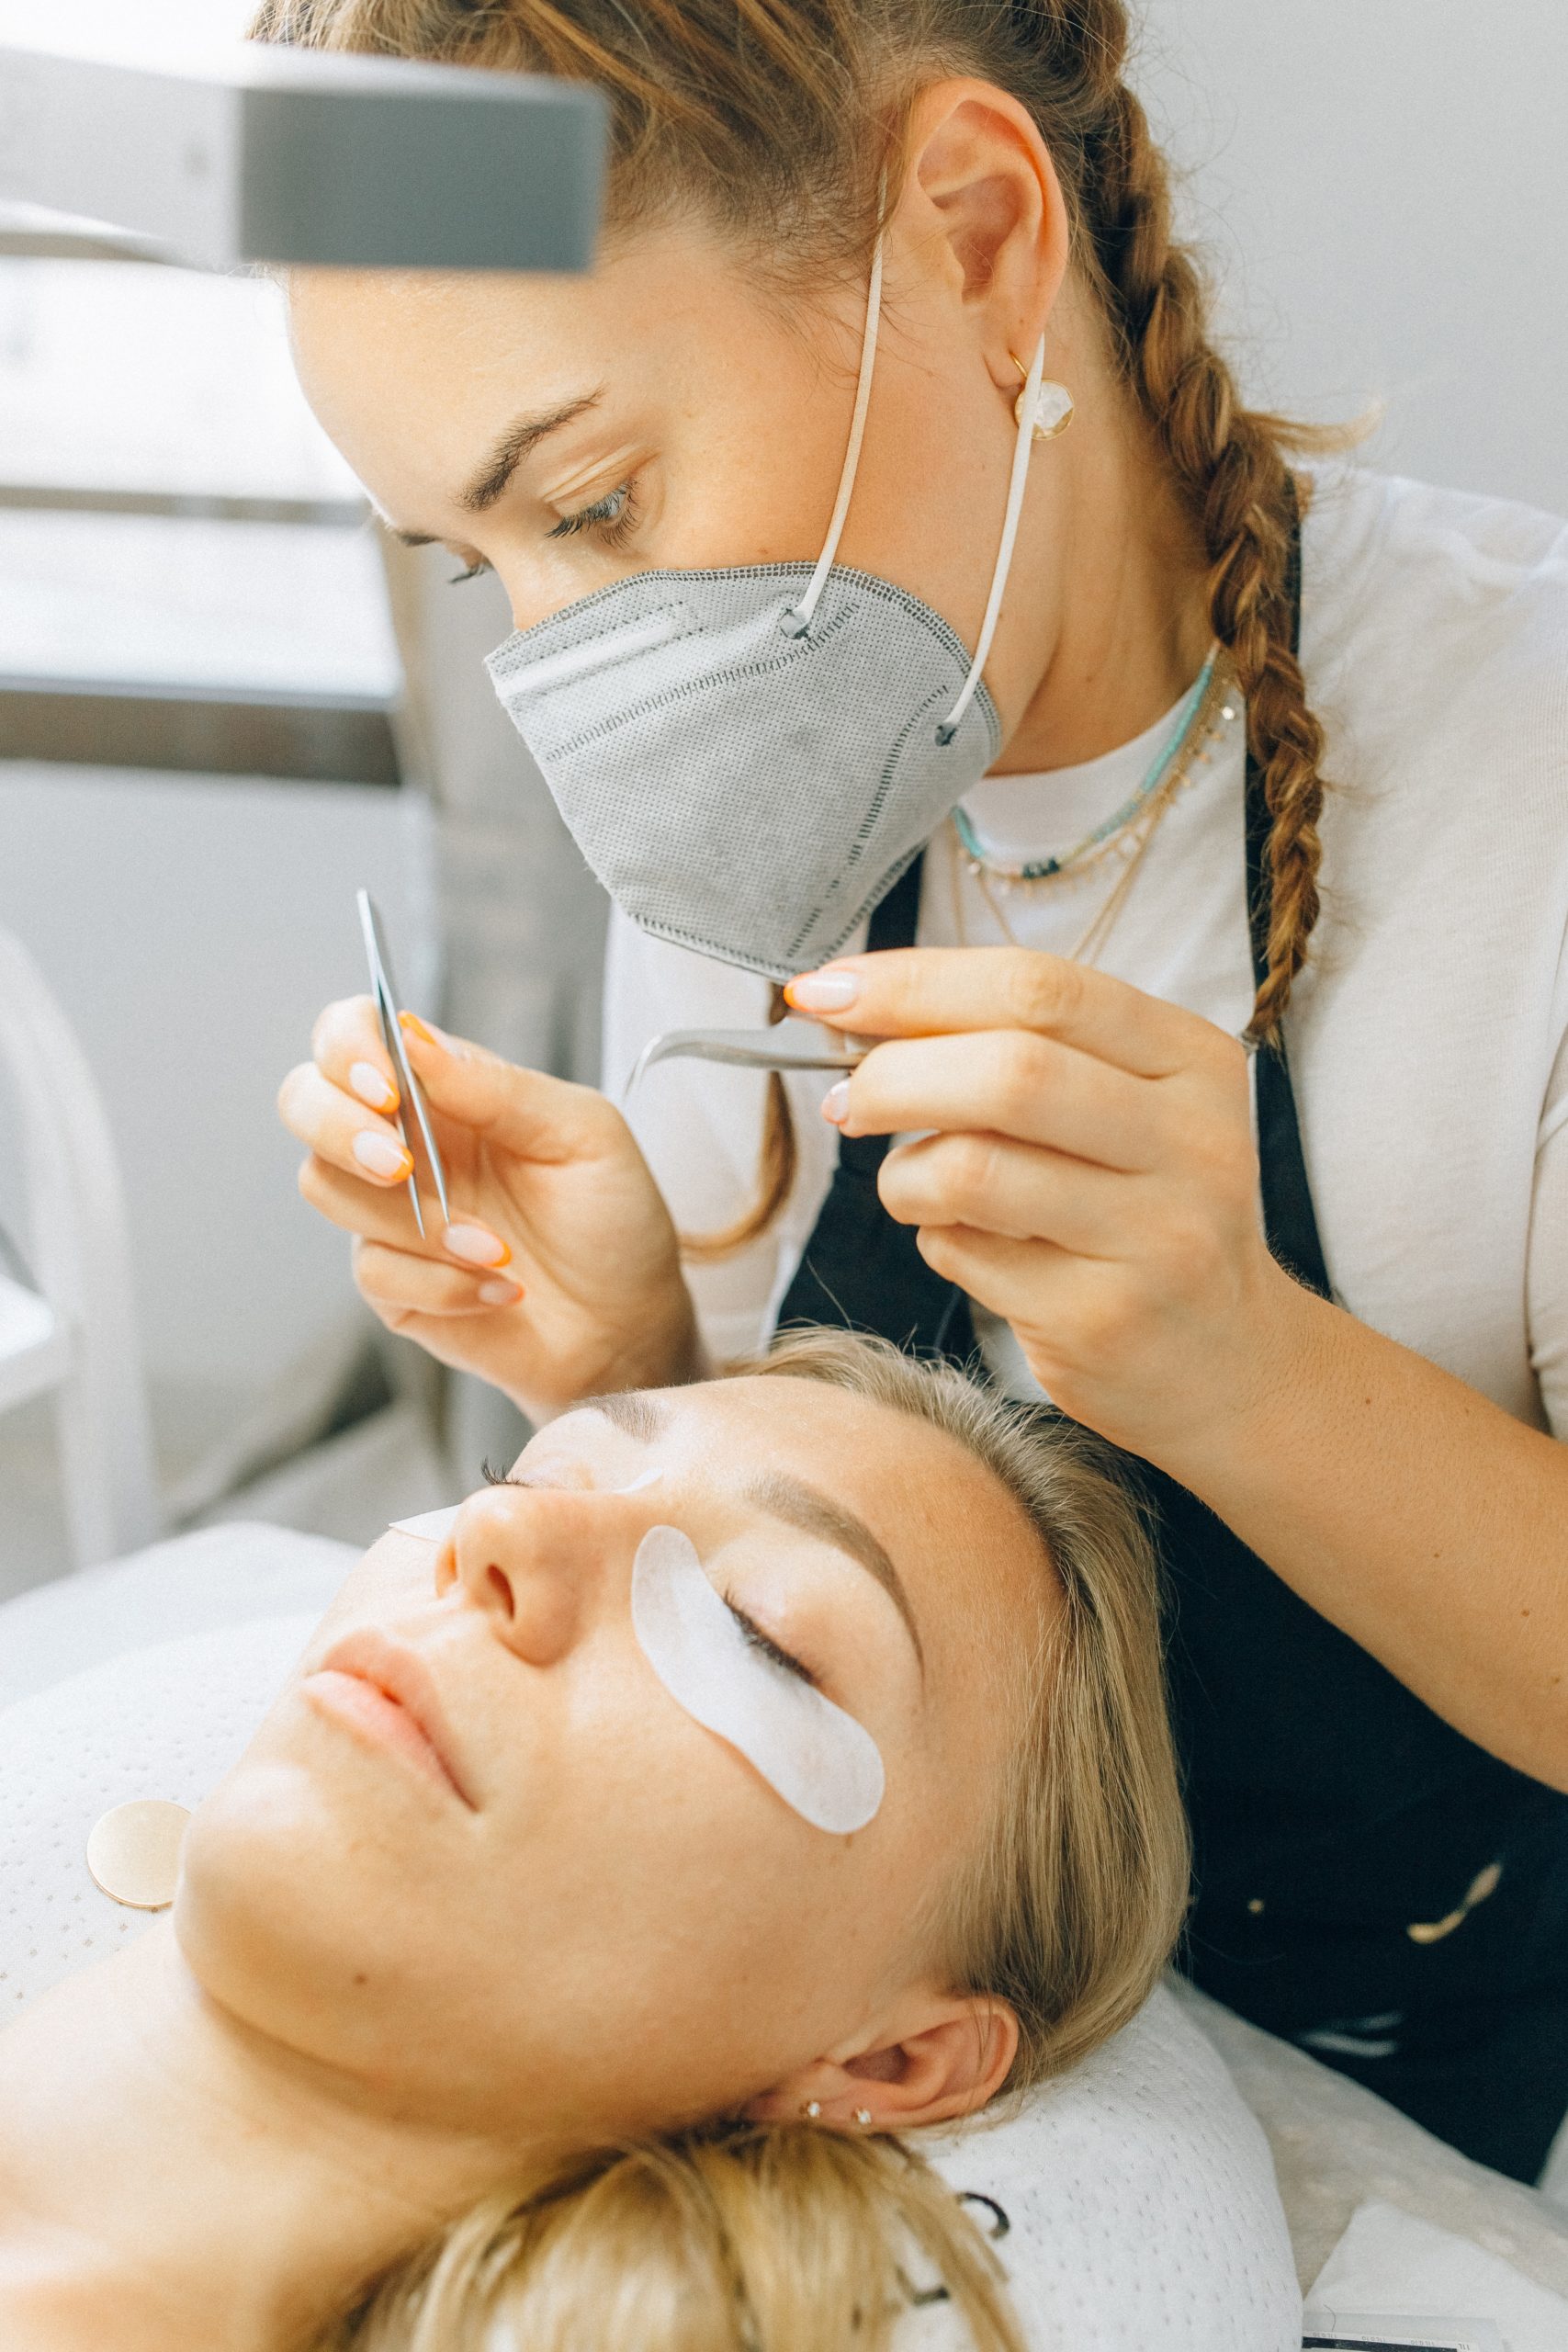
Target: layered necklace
[1121, 841]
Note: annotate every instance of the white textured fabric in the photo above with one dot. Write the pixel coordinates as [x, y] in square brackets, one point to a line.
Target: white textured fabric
[1141, 2196]
[1428, 1037]
[164, 1721]
[215, 1576]
[1140, 2191]
[1389, 2262]
[1334, 2145]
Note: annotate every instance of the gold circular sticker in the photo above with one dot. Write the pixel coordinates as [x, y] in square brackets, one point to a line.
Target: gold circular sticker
[133, 1852]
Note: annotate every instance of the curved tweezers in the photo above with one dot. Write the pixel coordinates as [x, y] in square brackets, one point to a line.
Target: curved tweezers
[788, 1045]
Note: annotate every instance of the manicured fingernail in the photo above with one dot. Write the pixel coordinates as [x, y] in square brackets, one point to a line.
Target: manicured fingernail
[500, 1293]
[381, 1155]
[473, 1243]
[371, 1086]
[430, 1036]
[836, 1102]
[824, 991]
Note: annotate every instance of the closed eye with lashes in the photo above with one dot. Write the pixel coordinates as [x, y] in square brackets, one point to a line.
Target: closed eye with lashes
[758, 1640]
[755, 1637]
[611, 519]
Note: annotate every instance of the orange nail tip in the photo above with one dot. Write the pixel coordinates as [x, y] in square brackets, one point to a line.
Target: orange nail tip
[477, 1246]
[421, 1030]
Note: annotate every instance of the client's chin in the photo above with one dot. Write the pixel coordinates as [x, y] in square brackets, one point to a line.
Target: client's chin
[302, 1914]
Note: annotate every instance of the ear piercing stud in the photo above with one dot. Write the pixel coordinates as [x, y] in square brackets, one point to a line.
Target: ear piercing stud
[1053, 409]
[811, 2109]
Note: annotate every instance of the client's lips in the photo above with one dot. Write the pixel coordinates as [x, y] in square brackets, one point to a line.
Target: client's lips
[402, 1678]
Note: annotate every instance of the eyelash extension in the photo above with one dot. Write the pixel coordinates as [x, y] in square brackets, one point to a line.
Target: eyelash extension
[611, 525]
[770, 1649]
[473, 571]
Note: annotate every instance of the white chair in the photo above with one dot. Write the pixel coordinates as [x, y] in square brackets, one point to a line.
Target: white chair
[75, 1334]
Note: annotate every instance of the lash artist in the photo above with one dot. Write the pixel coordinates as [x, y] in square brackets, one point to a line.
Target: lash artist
[908, 610]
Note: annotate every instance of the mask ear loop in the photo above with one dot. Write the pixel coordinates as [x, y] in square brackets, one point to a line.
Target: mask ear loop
[1021, 449]
[797, 619]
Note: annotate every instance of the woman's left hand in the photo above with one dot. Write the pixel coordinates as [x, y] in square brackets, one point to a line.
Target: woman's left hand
[1084, 1167]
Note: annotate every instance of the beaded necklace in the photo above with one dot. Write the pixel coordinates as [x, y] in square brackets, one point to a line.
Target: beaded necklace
[1043, 869]
[1204, 714]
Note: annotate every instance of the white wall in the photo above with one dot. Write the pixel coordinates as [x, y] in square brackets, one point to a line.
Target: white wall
[1385, 185]
[193, 930]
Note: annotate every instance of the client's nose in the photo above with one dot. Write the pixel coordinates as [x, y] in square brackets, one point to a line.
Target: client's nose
[539, 1561]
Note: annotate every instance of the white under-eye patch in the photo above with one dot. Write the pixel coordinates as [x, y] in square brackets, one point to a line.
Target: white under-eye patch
[818, 1759]
[434, 1526]
[644, 1478]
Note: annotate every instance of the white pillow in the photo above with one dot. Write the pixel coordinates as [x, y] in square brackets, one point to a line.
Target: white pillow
[1142, 2201]
[1139, 2193]
[213, 1575]
[164, 1721]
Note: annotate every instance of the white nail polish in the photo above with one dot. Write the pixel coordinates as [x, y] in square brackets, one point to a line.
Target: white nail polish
[381, 1155]
[500, 1293]
[836, 1101]
[824, 991]
[371, 1086]
[472, 1243]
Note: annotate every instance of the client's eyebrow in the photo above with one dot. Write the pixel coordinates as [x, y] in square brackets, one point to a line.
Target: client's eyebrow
[781, 1496]
[639, 1414]
[816, 1513]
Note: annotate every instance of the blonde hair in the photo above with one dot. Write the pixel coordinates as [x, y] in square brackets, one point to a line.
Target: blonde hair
[743, 2237]
[775, 120]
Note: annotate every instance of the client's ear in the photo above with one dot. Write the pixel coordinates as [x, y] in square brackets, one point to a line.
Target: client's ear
[948, 2057]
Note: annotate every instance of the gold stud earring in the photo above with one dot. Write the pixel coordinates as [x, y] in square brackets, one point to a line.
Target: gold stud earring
[1053, 409]
[810, 2109]
[862, 2117]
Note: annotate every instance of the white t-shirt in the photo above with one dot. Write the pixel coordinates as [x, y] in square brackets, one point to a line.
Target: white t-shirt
[1428, 1035]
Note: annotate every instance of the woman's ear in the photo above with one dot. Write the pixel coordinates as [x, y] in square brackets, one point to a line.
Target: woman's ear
[981, 198]
[948, 2058]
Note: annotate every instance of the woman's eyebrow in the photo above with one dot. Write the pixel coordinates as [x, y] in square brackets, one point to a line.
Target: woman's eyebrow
[488, 485]
[781, 1496]
[816, 1513]
[631, 1409]
[523, 435]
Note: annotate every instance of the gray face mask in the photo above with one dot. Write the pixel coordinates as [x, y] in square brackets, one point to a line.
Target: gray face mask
[750, 758]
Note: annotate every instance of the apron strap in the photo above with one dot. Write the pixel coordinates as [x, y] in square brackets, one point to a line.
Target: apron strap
[860, 1270]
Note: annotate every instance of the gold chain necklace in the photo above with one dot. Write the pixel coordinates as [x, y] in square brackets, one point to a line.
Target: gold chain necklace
[1128, 843]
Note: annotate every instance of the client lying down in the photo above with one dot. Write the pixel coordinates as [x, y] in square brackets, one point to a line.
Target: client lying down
[766, 1770]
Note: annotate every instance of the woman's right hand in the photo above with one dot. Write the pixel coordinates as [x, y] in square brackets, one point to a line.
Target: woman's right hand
[560, 1276]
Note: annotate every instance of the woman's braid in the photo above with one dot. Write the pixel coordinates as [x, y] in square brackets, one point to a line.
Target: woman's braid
[1228, 462]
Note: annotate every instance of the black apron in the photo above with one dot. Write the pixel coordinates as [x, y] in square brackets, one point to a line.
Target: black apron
[1367, 1881]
